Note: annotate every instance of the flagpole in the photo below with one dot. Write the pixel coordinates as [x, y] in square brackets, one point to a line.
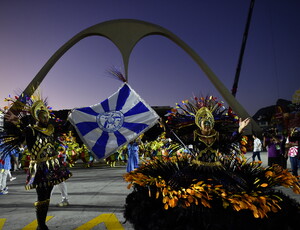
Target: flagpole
[184, 145]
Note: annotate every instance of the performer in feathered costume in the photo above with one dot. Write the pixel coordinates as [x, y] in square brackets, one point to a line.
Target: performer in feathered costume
[45, 169]
[213, 186]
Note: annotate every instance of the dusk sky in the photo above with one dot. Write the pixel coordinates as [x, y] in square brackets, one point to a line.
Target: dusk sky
[159, 71]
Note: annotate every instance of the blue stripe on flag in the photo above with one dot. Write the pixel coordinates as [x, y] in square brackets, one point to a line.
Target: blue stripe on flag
[99, 147]
[122, 97]
[138, 108]
[135, 127]
[87, 110]
[120, 138]
[105, 105]
[86, 127]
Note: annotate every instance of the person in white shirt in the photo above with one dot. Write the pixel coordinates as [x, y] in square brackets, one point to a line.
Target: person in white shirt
[257, 147]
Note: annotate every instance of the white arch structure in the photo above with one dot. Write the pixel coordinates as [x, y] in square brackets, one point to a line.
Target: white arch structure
[125, 34]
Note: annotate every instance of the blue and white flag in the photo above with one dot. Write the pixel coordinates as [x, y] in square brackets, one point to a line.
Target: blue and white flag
[116, 121]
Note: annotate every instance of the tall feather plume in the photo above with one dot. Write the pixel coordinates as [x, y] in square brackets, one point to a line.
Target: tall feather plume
[117, 74]
[19, 105]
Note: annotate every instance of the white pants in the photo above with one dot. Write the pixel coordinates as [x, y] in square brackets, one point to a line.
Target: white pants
[9, 174]
[62, 187]
[3, 178]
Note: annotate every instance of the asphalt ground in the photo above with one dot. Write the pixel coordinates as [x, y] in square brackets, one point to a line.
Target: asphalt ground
[97, 197]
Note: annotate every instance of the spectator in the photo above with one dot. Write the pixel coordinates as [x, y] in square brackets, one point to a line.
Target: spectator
[133, 156]
[62, 187]
[283, 152]
[293, 144]
[293, 152]
[11, 178]
[257, 147]
[5, 166]
[15, 159]
[273, 146]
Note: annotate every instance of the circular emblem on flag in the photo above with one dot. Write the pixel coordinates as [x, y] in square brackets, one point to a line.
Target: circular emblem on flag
[110, 121]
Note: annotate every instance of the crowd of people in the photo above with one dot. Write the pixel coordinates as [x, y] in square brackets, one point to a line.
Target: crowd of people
[195, 169]
[280, 148]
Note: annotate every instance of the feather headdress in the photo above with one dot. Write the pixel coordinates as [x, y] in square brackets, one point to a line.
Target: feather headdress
[25, 108]
[191, 112]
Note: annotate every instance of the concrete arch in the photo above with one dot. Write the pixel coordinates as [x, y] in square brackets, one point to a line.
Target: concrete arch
[125, 34]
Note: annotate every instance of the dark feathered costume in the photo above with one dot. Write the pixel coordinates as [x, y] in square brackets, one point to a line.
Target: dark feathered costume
[215, 188]
[45, 169]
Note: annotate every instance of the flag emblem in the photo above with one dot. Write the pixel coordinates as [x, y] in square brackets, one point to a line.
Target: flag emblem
[110, 121]
[114, 122]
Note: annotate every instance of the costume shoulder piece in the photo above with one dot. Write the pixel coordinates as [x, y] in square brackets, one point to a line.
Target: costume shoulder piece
[48, 131]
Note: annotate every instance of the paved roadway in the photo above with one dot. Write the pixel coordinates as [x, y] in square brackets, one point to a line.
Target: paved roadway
[97, 197]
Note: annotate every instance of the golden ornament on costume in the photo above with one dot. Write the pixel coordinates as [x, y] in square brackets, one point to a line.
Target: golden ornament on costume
[204, 114]
[37, 107]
